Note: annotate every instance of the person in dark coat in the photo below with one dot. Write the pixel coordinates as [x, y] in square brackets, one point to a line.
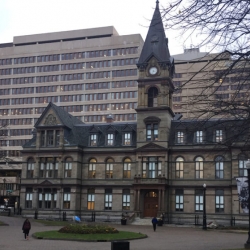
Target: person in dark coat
[26, 229]
[154, 222]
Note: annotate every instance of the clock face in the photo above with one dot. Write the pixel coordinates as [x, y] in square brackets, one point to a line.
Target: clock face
[153, 70]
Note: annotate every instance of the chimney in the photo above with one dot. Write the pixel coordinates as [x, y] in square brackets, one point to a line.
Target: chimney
[109, 118]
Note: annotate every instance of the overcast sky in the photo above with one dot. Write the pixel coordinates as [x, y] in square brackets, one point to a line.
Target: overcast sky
[26, 17]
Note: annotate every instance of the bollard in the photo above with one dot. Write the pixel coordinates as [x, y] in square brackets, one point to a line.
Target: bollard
[120, 245]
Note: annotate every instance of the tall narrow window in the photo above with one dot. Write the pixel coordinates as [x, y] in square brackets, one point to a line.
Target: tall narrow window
[68, 168]
[126, 199]
[47, 200]
[199, 168]
[219, 167]
[28, 198]
[127, 168]
[218, 135]
[49, 170]
[180, 137]
[179, 167]
[152, 97]
[30, 168]
[242, 165]
[91, 199]
[66, 198]
[92, 168]
[219, 201]
[108, 199]
[127, 139]
[179, 200]
[110, 139]
[109, 169]
[198, 200]
[40, 199]
[152, 132]
[93, 140]
[50, 138]
[199, 136]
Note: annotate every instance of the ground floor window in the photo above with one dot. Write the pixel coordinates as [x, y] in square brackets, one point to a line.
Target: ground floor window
[108, 199]
[91, 199]
[66, 198]
[126, 199]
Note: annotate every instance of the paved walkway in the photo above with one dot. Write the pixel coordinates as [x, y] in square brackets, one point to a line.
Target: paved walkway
[165, 238]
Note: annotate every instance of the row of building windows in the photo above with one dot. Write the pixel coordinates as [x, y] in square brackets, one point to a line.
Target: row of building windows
[199, 136]
[199, 202]
[25, 70]
[23, 121]
[15, 132]
[47, 199]
[48, 68]
[5, 143]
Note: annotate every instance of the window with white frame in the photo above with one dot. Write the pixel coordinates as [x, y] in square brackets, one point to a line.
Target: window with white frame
[152, 132]
[109, 169]
[110, 139]
[28, 198]
[108, 199]
[242, 167]
[66, 198]
[40, 200]
[179, 203]
[179, 167]
[47, 200]
[91, 199]
[126, 199]
[199, 136]
[199, 171]
[127, 168]
[180, 137]
[48, 167]
[127, 139]
[68, 168]
[151, 167]
[30, 168]
[92, 168]
[219, 201]
[218, 135]
[93, 140]
[219, 167]
[198, 200]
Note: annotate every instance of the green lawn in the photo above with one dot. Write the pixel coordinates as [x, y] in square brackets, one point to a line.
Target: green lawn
[122, 235]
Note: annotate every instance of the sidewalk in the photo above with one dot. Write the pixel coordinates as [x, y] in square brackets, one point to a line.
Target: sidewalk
[165, 238]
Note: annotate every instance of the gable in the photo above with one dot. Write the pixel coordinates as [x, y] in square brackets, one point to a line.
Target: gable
[50, 118]
[151, 147]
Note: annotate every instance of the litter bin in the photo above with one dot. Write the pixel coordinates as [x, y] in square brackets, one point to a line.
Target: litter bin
[120, 245]
[123, 221]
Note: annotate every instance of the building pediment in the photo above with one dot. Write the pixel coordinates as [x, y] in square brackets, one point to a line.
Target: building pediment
[151, 146]
[46, 183]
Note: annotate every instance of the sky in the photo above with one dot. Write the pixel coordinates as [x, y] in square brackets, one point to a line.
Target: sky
[26, 17]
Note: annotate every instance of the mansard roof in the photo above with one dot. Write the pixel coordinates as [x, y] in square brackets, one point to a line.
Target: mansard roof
[156, 43]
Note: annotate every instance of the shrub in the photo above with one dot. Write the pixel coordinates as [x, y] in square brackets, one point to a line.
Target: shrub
[88, 229]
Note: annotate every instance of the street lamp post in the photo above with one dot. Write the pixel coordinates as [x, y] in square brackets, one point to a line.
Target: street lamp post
[247, 244]
[204, 227]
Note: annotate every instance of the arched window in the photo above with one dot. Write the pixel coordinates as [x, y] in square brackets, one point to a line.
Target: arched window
[179, 167]
[30, 168]
[68, 167]
[219, 167]
[199, 168]
[109, 168]
[152, 97]
[127, 168]
[92, 168]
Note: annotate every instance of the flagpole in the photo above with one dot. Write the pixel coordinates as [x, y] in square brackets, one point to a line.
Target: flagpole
[247, 244]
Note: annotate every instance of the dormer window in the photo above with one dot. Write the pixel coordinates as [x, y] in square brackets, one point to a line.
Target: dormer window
[127, 139]
[93, 140]
[152, 132]
[180, 137]
[199, 136]
[110, 139]
[218, 135]
[50, 138]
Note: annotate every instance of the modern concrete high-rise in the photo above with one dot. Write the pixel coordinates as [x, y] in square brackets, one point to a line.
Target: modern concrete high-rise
[91, 73]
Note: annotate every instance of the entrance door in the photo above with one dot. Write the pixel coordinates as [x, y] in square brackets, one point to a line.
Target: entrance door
[150, 204]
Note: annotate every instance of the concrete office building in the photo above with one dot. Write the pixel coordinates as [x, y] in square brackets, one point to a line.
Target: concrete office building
[90, 73]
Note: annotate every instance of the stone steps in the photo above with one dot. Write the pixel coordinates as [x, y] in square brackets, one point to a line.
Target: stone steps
[142, 221]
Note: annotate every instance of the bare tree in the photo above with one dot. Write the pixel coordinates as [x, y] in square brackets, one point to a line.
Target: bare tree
[222, 84]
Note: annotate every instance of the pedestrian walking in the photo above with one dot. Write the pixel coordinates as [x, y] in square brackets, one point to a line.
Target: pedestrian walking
[154, 222]
[26, 229]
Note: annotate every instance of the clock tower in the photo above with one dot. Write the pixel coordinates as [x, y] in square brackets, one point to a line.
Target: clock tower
[155, 87]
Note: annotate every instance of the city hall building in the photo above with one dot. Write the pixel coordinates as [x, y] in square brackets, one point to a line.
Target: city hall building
[155, 165]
